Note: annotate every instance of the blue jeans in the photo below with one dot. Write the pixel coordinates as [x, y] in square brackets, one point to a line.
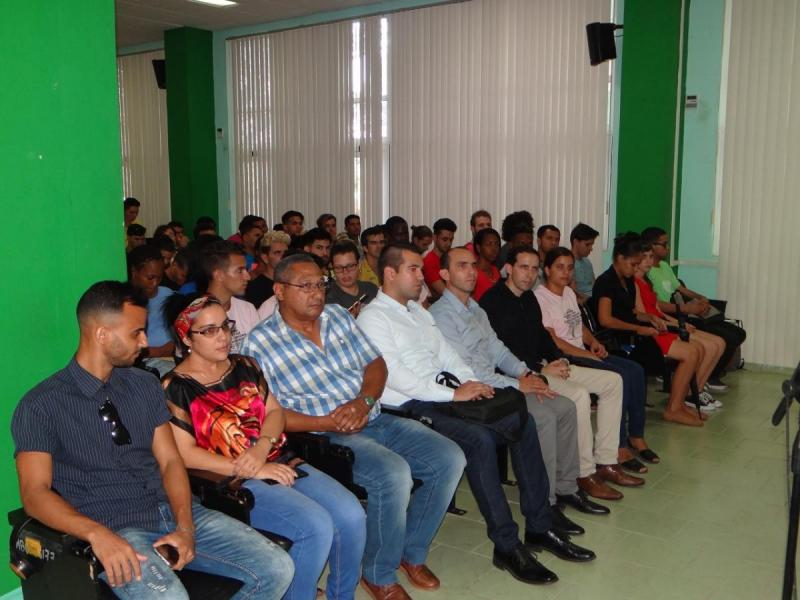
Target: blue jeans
[634, 394]
[479, 444]
[223, 546]
[324, 521]
[389, 453]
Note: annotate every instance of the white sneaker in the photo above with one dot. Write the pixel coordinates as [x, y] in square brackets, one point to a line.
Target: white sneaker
[710, 399]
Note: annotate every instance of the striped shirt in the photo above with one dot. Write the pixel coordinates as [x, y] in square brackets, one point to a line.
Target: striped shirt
[305, 378]
[117, 486]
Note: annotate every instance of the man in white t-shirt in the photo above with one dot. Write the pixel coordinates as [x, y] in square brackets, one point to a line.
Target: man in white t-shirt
[223, 270]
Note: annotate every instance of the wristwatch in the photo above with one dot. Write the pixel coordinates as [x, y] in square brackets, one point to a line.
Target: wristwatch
[369, 400]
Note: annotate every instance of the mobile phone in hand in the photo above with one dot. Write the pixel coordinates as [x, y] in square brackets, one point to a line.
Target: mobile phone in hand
[357, 302]
[168, 553]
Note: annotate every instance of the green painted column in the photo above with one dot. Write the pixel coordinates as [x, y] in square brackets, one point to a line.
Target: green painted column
[190, 117]
[61, 193]
[648, 113]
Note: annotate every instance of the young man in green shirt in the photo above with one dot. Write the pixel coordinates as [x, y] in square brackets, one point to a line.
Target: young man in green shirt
[665, 283]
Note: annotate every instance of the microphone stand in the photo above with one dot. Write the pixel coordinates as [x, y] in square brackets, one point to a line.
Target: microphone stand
[791, 391]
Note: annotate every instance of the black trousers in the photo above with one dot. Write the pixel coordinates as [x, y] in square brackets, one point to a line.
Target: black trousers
[733, 335]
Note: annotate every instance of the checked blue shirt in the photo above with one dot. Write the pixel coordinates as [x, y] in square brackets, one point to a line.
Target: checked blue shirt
[305, 378]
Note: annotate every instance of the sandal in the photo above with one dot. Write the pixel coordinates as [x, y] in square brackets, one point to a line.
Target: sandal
[634, 466]
[648, 455]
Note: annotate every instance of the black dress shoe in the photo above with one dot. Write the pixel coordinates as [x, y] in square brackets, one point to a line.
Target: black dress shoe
[580, 502]
[558, 544]
[563, 524]
[522, 565]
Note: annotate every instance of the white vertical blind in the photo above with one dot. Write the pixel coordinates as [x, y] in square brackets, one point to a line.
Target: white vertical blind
[293, 116]
[143, 129]
[495, 106]
[426, 113]
[760, 213]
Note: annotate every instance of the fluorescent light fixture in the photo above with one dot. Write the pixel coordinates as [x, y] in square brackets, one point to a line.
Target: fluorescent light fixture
[220, 3]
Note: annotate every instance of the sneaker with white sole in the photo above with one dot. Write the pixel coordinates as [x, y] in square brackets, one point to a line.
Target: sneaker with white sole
[710, 399]
[716, 385]
[705, 405]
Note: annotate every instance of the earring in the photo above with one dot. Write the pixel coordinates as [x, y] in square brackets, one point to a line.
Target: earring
[188, 350]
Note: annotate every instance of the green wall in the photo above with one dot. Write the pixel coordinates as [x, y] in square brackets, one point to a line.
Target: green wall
[650, 71]
[190, 125]
[61, 192]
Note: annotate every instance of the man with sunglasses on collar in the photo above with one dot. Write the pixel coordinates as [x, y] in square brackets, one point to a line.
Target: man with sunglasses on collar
[96, 459]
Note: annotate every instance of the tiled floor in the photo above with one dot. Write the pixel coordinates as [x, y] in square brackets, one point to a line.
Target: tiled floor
[709, 524]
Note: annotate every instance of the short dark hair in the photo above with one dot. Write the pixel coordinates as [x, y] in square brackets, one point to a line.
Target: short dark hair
[483, 234]
[141, 255]
[161, 231]
[392, 256]
[130, 201]
[204, 224]
[248, 223]
[477, 214]
[627, 244]
[315, 234]
[288, 262]
[651, 234]
[395, 220]
[555, 254]
[344, 247]
[164, 243]
[290, 214]
[582, 232]
[174, 224]
[325, 217]
[371, 231]
[183, 258]
[516, 222]
[444, 224]
[106, 297]
[545, 228]
[136, 229]
[349, 218]
[421, 231]
[213, 256]
[514, 253]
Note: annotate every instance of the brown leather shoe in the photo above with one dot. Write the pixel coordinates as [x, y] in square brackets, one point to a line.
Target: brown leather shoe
[393, 591]
[615, 474]
[597, 488]
[420, 576]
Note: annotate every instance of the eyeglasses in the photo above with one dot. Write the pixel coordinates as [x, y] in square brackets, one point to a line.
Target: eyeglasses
[345, 268]
[309, 288]
[664, 244]
[212, 330]
[119, 433]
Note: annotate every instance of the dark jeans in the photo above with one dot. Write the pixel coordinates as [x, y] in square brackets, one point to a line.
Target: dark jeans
[734, 337]
[479, 444]
[634, 394]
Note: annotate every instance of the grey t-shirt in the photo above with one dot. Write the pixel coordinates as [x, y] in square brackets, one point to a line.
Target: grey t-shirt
[584, 276]
[337, 295]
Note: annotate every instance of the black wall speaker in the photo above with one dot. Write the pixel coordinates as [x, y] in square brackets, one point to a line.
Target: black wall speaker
[160, 70]
[601, 42]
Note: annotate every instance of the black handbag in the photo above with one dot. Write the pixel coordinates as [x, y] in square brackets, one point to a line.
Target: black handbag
[491, 412]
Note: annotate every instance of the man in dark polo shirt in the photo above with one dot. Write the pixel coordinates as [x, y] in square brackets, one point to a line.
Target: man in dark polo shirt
[96, 459]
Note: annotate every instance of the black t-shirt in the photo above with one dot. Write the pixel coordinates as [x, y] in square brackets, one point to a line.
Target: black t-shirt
[259, 290]
[517, 321]
[623, 298]
[337, 295]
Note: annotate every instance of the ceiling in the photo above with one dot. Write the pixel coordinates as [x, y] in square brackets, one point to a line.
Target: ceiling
[144, 21]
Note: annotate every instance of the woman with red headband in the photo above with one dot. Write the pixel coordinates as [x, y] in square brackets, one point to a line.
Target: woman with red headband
[225, 420]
